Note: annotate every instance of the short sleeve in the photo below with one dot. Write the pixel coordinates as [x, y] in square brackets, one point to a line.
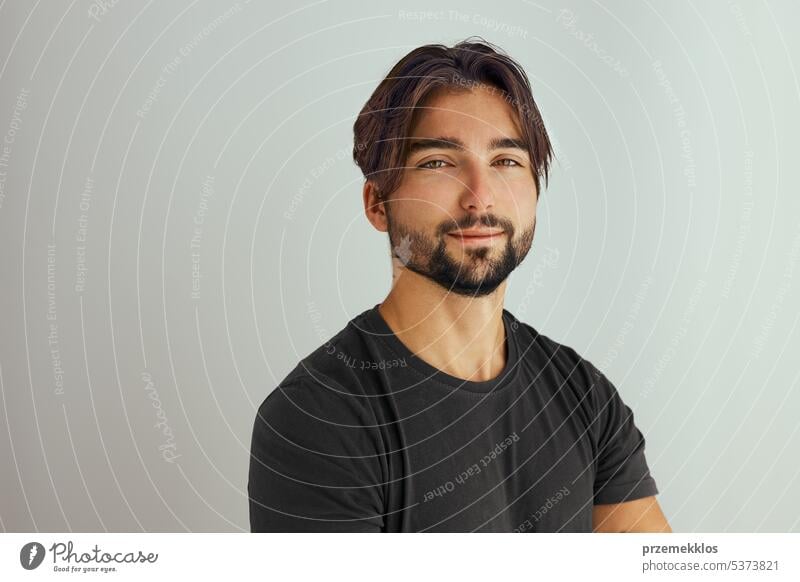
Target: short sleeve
[314, 463]
[622, 471]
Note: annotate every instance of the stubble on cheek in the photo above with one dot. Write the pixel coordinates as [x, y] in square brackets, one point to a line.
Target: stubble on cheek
[409, 246]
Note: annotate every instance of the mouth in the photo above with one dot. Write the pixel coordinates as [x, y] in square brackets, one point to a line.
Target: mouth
[477, 236]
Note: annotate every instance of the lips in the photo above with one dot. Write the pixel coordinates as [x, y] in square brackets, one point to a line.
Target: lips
[476, 233]
[466, 237]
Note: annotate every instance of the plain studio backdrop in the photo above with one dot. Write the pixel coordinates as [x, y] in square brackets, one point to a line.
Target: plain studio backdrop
[181, 222]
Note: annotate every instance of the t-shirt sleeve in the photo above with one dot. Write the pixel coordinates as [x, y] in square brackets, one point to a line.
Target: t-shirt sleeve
[622, 471]
[314, 462]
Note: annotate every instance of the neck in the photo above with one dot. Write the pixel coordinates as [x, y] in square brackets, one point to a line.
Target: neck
[460, 335]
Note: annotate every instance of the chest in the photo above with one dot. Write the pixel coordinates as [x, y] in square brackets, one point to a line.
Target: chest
[512, 464]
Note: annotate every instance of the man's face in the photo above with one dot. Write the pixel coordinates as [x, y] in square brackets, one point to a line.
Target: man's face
[467, 173]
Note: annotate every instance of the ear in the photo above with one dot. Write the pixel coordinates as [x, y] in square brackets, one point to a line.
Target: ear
[374, 207]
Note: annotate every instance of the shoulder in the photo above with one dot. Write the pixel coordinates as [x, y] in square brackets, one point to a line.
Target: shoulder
[336, 364]
[304, 423]
[563, 369]
[543, 350]
[311, 399]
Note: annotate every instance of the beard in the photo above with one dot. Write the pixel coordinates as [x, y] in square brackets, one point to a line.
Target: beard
[482, 269]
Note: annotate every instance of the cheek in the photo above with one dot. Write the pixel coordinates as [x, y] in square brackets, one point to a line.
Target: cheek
[413, 212]
[425, 202]
[519, 202]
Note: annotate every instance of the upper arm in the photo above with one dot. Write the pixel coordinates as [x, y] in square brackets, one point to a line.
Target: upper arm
[621, 470]
[639, 515]
[313, 463]
[624, 490]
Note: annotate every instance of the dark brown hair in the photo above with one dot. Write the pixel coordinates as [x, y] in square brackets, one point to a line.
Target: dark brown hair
[386, 120]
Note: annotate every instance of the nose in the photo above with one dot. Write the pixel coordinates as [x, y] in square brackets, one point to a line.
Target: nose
[478, 191]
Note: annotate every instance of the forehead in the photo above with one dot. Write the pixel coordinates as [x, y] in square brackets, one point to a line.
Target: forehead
[474, 113]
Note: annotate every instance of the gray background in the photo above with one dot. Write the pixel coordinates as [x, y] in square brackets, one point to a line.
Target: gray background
[666, 252]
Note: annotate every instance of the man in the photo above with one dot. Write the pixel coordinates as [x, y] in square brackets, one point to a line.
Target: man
[438, 410]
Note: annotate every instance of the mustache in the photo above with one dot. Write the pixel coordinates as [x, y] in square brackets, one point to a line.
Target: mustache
[487, 220]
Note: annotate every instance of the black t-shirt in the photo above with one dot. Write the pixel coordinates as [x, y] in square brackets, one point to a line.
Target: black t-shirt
[364, 436]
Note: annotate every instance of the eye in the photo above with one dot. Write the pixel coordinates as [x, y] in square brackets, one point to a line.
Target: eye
[427, 165]
[512, 164]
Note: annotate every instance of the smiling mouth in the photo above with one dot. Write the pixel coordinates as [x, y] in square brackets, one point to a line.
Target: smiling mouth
[476, 237]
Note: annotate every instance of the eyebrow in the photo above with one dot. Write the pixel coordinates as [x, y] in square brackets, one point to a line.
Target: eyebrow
[453, 143]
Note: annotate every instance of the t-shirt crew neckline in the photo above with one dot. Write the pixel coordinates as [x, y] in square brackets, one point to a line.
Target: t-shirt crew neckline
[384, 333]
